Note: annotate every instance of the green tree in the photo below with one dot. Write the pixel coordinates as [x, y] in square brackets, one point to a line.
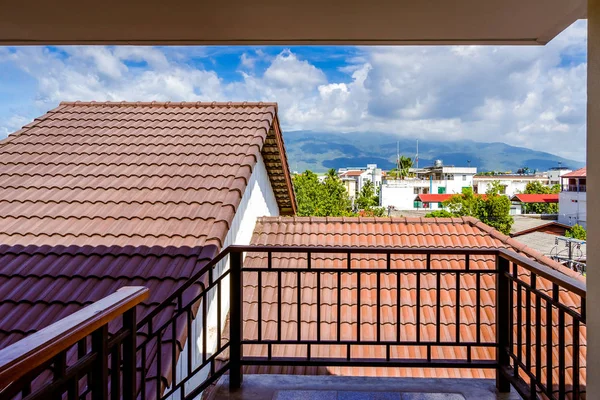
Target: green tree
[321, 199]
[368, 201]
[576, 232]
[494, 210]
[537, 187]
[465, 204]
[439, 214]
[404, 164]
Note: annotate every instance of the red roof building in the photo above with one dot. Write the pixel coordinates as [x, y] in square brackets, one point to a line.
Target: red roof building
[536, 198]
[580, 173]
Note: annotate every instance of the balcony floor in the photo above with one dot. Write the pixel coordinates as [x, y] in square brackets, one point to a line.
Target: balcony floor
[296, 387]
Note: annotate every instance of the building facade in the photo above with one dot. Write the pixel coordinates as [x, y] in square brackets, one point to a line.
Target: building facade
[572, 200]
[509, 184]
[438, 179]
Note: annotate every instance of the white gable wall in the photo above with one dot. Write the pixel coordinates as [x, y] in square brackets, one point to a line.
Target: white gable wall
[258, 201]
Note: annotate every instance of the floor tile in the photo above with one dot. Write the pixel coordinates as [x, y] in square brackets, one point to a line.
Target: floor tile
[305, 395]
[432, 396]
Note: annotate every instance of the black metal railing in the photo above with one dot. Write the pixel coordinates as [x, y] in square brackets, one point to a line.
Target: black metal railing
[77, 357]
[574, 188]
[545, 329]
[523, 288]
[322, 307]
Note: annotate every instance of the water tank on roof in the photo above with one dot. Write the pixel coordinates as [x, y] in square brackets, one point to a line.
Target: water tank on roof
[438, 163]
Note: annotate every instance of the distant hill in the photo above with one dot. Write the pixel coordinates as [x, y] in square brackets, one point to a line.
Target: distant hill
[319, 151]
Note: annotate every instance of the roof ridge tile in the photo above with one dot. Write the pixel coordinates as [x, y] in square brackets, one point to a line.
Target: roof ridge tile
[165, 104]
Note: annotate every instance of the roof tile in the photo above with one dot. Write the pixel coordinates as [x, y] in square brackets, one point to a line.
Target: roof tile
[96, 196]
[392, 232]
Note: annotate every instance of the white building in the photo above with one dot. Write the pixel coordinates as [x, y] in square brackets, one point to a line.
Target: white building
[555, 173]
[439, 179]
[510, 184]
[572, 198]
[401, 193]
[360, 176]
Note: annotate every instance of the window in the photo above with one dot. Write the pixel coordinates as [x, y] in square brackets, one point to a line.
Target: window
[441, 190]
[416, 190]
[439, 205]
[464, 177]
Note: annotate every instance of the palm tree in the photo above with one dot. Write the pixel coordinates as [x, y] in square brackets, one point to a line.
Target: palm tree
[404, 166]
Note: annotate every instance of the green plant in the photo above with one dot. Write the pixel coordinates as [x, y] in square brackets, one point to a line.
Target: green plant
[576, 232]
[367, 201]
[494, 210]
[321, 199]
[439, 214]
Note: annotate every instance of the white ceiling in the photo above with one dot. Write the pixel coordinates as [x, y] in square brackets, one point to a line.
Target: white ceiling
[287, 21]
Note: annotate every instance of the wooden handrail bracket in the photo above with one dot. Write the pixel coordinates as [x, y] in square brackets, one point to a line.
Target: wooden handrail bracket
[36, 349]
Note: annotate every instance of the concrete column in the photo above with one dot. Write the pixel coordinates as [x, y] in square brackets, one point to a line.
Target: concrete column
[593, 200]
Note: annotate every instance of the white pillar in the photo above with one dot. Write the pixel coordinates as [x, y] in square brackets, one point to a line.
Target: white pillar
[593, 200]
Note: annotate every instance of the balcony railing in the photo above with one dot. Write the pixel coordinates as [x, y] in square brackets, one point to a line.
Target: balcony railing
[76, 356]
[574, 188]
[536, 346]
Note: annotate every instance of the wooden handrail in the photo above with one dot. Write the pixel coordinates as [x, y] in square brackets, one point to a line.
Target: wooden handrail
[36, 349]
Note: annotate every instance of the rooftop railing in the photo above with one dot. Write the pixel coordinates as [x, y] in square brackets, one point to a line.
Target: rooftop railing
[496, 310]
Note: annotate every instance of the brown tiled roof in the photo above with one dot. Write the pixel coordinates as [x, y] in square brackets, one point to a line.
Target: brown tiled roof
[96, 196]
[580, 173]
[135, 173]
[380, 232]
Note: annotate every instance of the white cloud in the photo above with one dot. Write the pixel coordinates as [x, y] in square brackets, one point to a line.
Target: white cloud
[528, 96]
[288, 71]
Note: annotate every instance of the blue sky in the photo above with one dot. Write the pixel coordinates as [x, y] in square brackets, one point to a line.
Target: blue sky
[529, 96]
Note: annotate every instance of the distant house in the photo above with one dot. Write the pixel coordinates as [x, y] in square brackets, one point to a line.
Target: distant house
[509, 184]
[554, 175]
[521, 200]
[572, 198]
[355, 178]
[350, 180]
[438, 179]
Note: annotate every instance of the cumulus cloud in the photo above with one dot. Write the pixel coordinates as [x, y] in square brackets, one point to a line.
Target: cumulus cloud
[528, 96]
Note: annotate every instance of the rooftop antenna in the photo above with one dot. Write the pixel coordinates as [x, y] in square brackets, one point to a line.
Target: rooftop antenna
[417, 156]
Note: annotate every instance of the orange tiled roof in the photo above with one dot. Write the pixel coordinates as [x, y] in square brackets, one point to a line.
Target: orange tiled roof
[580, 173]
[380, 232]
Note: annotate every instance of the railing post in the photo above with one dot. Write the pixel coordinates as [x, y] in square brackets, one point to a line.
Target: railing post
[99, 374]
[235, 320]
[503, 323]
[129, 356]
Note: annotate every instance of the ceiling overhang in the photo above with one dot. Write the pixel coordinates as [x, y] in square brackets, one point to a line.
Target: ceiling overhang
[259, 22]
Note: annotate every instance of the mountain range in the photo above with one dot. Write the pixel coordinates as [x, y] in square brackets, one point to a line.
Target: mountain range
[319, 151]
